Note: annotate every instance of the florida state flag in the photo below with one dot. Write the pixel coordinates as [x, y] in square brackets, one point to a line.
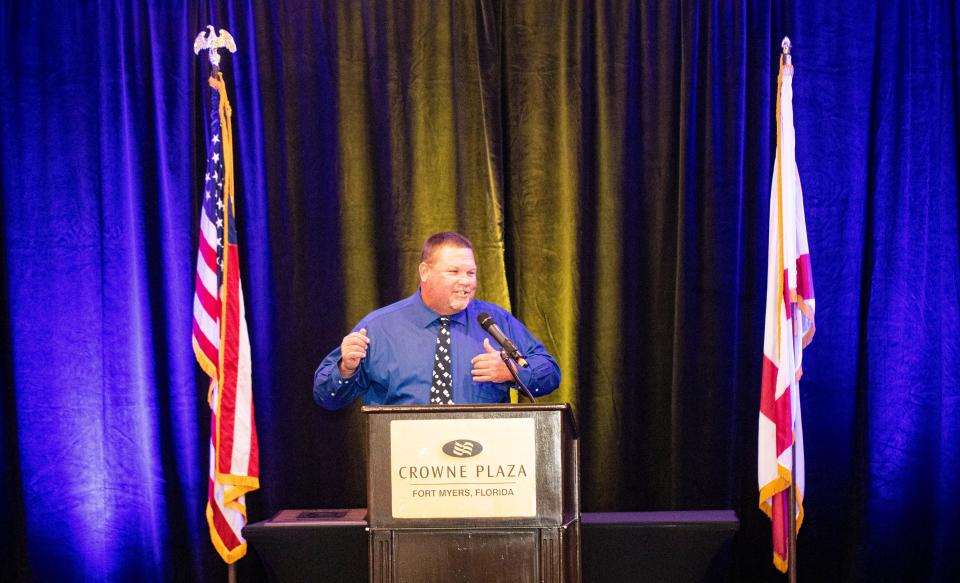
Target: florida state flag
[788, 328]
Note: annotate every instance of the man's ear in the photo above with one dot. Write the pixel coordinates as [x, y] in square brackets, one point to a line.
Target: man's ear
[424, 270]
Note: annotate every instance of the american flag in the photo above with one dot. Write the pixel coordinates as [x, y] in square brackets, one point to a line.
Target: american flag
[788, 328]
[221, 343]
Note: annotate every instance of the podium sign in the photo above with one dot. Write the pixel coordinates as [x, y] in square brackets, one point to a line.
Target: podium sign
[463, 468]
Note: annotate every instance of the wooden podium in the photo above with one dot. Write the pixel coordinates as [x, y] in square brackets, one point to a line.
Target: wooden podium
[473, 493]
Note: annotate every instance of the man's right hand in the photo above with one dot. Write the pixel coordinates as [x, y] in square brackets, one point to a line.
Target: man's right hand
[352, 349]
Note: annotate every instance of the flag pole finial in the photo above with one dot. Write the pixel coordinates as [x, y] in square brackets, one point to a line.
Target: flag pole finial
[786, 46]
[212, 42]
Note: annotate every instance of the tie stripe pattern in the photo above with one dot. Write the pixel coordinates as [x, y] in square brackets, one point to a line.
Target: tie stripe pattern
[441, 391]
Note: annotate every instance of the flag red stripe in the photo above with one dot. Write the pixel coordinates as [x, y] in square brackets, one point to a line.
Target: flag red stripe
[253, 468]
[220, 523]
[780, 522]
[231, 357]
[205, 346]
[209, 255]
[210, 304]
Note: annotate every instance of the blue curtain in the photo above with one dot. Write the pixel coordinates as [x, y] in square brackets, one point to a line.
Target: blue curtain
[103, 419]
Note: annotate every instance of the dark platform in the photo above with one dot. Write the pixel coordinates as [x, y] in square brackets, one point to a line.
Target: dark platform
[657, 546]
[331, 546]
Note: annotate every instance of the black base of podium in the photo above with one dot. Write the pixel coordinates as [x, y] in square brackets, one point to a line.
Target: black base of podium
[475, 555]
[614, 546]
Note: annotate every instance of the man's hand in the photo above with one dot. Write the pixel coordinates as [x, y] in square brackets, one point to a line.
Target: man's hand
[352, 349]
[488, 367]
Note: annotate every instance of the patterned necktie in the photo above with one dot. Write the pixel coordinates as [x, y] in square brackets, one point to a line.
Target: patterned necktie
[441, 391]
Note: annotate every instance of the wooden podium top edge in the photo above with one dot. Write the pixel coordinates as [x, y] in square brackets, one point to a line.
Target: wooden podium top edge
[567, 408]
[472, 408]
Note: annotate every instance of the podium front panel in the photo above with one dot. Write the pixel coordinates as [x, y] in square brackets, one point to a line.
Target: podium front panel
[487, 555]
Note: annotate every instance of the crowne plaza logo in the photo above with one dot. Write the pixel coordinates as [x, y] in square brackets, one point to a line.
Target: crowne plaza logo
[462, 448]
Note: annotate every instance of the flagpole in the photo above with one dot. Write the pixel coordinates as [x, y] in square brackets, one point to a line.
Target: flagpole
[792, 510]
[792, 540]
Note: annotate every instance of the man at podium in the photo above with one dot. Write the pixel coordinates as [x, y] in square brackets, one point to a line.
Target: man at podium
[430, 347]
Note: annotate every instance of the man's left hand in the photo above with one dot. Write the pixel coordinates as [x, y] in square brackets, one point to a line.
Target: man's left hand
[488, 367]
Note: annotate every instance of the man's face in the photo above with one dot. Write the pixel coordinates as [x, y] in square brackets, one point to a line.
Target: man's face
[448, 280]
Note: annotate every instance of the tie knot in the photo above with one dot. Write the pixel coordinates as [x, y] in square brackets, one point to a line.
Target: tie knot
[444, 321]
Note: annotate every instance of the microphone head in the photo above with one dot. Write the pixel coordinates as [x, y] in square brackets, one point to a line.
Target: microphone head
[485, 320]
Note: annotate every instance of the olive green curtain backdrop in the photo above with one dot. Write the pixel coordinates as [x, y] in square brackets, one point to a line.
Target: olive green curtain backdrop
[597, 156]
[576, 145]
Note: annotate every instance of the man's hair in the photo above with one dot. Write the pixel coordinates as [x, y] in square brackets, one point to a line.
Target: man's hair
[438, 240]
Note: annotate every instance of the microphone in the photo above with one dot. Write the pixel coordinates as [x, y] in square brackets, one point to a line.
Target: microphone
[487, 323]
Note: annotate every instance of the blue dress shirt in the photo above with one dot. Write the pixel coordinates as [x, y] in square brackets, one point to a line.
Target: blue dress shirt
[399, 363]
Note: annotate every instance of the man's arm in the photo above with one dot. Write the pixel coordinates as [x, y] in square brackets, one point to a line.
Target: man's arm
[542, 376]
[340, 377]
